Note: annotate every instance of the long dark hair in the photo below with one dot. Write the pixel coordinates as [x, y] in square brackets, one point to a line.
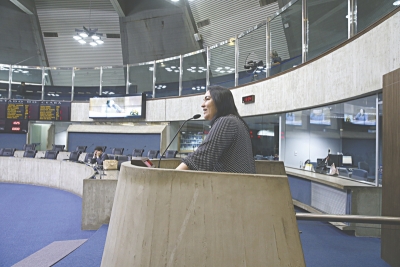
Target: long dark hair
[224, 103]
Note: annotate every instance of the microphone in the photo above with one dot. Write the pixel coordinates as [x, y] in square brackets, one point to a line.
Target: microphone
[195, 117]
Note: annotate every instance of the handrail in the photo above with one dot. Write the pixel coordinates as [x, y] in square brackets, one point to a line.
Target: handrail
[348, 218]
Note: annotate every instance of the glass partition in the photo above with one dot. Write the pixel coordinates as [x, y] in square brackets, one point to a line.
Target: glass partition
[141, 79]
[328, 25]
[58, 84]
[222, 64]
[26, 82]
[194, 72]
[286, 43]
[251, 61]
[4, 77]
[343, 134]
[369, 11]
[264, 132]
[167, 77]
[114, 80]
[86, 83]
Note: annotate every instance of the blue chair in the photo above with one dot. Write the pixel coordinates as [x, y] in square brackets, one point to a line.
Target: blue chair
[152, 154]
[7, 152]
[137, 152]
[360, 174]
[171, 153]
[117, 151]
[344, 172]
[51, 154]
[30, 153]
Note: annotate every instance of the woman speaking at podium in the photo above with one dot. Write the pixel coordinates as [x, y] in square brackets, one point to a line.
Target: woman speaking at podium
[227, 147]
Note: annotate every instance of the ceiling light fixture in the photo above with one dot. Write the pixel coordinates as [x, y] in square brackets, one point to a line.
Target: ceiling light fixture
[396, 3]
[93, 37]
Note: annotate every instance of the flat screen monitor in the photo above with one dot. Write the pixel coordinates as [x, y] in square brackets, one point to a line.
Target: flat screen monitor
[337, 159]
[320, 116]
[359, 115]
[294, 118]
[347, 160]
[133, 106]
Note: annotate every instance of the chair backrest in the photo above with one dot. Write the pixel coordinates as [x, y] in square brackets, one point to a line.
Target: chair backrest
[122, 158]
[58, 147]
[30, 153]
[51, 154]
[359, 174]
[81, 148]
[74, 155]
[117, 151]
[343, 172]
[137, 152]
[152, 154]
[363, 166]
[171, 153]
[29, 147]
[88, 157]
[7, 152]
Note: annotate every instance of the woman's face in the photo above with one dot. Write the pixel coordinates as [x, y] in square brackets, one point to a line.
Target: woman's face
[209, 108]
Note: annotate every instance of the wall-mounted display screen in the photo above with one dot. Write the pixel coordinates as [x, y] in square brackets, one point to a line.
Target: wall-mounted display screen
[320, 116]
[294, 118]
[359, 115]
[118, 107]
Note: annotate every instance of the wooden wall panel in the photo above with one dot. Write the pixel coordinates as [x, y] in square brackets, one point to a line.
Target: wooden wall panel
[391, 173]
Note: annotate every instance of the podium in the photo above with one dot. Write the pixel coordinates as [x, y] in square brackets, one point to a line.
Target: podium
[166, 217]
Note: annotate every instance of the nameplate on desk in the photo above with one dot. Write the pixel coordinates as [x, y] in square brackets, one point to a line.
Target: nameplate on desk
[142, 162]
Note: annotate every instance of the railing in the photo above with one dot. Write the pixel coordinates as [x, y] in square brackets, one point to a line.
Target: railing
[298, 32]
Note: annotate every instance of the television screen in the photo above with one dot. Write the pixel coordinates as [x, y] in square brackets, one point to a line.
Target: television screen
[320, 116]
[118, 107]
[294, 118]
[347, 160]
[359, 115]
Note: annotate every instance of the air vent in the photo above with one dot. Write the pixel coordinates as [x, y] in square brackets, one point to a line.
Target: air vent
[266, 2]
[203, 23]
[50, 34]
[113, 35]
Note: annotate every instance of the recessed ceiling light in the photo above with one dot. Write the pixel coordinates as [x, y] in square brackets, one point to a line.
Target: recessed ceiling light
[396, 3]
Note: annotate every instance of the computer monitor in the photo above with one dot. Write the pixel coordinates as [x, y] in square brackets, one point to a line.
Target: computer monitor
[347, 160]
[334, 158]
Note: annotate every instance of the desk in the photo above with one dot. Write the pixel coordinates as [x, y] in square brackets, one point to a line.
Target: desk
[320, 193]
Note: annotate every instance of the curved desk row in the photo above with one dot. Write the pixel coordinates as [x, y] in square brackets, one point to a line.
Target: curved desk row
[318, 193]
[58, 174]
[166, 217]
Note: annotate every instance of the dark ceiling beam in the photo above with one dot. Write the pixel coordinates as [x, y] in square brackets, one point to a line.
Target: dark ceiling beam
[28, 6]
[119, 7]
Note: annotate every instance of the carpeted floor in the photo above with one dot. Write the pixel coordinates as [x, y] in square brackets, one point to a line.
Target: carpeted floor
[33, 217]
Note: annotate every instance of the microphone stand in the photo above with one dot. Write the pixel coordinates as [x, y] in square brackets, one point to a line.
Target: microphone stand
[195, 117]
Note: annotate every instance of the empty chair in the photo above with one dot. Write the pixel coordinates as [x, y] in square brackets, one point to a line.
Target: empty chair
[81, 148]
[58, 147]
[359, 174]
[30, 153]
[171, 153]
[51, 154]
[344, 172]
[74, 156]
[137, 152]
[117, 151]
[363, 166]
[29, 147]
[88, 157]
[122, 158]
[152, 154]
[7, 152]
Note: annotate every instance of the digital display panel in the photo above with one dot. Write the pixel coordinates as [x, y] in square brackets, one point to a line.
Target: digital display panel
[294, 118]
[15, 113]
[118, 107]
[320, 116]
[359, 115]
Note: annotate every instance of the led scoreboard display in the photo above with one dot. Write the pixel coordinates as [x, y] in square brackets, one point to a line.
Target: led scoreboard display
[15, 114]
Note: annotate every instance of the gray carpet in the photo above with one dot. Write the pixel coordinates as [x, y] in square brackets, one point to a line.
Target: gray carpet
[50, 254]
